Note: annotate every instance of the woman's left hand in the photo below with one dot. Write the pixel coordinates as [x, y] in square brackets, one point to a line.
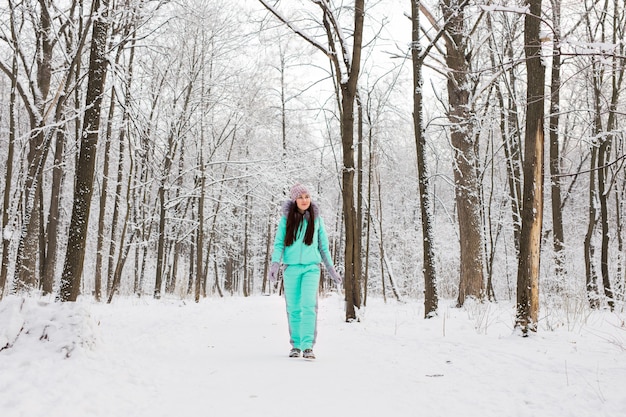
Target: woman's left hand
[335, 276]
[274, 271]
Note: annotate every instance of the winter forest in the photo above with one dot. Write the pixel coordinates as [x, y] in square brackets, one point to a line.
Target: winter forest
[458, 150]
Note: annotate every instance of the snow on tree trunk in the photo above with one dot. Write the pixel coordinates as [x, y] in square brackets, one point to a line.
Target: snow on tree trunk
[85, 169]
[532, 208]
[431, 299]
[467, 183]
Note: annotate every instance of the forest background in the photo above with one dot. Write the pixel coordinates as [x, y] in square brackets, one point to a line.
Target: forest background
[147, 146]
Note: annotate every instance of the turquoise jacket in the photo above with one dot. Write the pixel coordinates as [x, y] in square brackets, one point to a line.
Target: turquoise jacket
[300, 253]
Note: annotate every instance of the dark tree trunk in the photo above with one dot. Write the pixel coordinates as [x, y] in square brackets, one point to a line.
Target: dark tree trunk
[555, 155]
[347, 68]
[6, 207]
[431, 298]
[352, 281]
[83, 191]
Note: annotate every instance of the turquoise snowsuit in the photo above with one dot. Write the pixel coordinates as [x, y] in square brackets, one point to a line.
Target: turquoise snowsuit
[301, 276]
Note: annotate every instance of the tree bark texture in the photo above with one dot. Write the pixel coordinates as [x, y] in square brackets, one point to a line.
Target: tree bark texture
[352, 281]
[558, 234]
[85, 169]
[6, 206]
[431, 299]
[532, 207]
[467, 183]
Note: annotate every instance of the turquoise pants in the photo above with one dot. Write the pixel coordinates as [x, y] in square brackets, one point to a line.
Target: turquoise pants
[301, 287]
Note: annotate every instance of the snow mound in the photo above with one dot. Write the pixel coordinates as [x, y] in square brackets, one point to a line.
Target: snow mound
[27, 323]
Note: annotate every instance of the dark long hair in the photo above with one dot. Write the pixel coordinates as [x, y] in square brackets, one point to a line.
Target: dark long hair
[294, 223]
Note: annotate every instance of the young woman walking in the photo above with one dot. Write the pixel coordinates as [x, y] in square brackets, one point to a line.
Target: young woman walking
[301, 243]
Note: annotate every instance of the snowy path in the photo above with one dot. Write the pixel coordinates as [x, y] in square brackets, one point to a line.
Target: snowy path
[228, 357]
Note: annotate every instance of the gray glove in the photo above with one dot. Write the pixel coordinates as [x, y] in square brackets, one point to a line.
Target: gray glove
[274, 271]
[335, 276]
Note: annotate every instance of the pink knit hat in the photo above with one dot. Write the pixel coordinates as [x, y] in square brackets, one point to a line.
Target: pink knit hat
[297, 190]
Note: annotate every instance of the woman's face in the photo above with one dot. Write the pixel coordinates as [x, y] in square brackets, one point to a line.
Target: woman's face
[303, 202]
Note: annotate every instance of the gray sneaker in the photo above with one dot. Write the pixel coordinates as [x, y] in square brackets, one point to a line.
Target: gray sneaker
[308, 354]
[294, 353]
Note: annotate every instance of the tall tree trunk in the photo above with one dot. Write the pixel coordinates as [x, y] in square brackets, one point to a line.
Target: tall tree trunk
[359, 189]
[266, 286]
[58, 170]
[431, 299]
[532, 208]
[28, 250]
[52, 228]
[33, 254]
[381, 245]
[511, 138]
[6, 206]
[191, 272]
[513, 152]
[209, 245]
[140, 198]
[591, 277]
[104, 197]
[115, 242]
[510, 132]
[27, 274]
[121, 160]
[617, 81]
[555, 155]
[603, 194]
[347, 67]
[352, 281]
[467, 183]
[173, 140]
[619, 230]
[246, 248]
[595, 187]
[352, 251]
[200, 230]
[75, 255]
[604, 153]
[123, 247]
[368, 216]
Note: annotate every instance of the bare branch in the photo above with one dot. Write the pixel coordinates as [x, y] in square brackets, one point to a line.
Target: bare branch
[294, 28]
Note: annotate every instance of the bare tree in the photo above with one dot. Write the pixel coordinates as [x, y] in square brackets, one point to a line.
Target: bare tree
[502, 37]
[605, 180]
[418, 55]
[37, 246]
[605, 93]
[85, 170]
[463, 140]
[30, 249]
[346, 64]
[558, 234]
[532, 208]
[6, 207]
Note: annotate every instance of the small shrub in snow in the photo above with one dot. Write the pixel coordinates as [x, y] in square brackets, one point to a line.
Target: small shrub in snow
[27, 323]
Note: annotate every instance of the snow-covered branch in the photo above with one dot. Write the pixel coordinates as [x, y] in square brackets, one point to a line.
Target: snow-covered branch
[295, 28]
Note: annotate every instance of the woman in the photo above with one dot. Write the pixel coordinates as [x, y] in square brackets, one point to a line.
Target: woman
[301, 243]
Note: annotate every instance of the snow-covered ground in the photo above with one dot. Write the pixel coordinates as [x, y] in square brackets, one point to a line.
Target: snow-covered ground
[228, 357]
